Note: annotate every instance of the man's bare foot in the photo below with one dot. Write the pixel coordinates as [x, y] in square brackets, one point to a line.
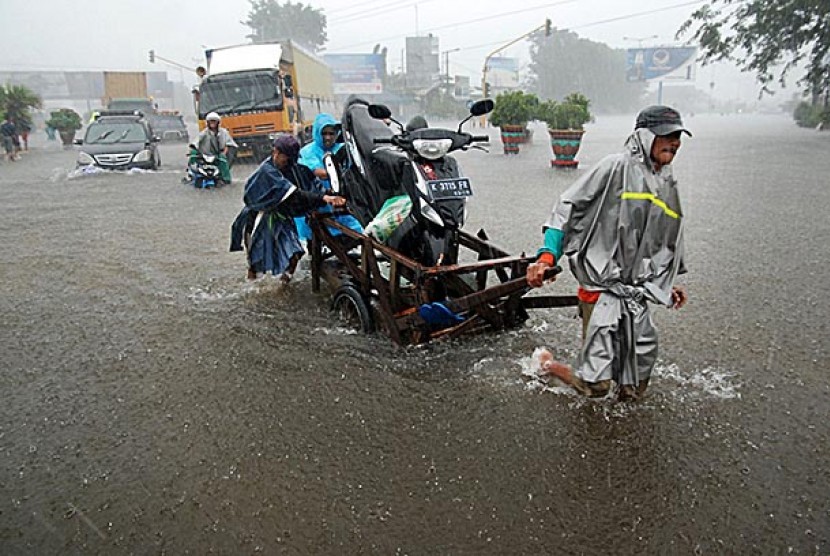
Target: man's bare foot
[559, 370]
[550, 367]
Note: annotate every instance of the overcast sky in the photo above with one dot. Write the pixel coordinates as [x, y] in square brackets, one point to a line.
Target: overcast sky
[117, 34]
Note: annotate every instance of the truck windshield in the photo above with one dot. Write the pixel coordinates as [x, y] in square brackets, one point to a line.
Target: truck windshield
[239, 93]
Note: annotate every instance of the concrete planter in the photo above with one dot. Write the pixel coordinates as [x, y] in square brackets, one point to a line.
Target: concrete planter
[511, 137]
[565, 144]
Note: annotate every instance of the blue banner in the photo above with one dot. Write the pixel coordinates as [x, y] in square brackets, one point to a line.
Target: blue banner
[661, 62]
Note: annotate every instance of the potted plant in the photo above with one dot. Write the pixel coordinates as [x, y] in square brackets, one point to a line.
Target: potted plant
[67, 122]
[512, 112]
[565, 121]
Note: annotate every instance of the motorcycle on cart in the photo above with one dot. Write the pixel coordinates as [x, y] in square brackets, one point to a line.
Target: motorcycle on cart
[414, 274]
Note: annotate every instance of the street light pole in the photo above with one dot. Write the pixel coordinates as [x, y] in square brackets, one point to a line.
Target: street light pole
[546, 26]
[446, 54]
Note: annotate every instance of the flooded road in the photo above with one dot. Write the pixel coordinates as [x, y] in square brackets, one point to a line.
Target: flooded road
[153, 401]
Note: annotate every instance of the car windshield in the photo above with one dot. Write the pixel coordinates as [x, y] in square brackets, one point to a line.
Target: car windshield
[168, 123]
[115, 132]
[241, 92]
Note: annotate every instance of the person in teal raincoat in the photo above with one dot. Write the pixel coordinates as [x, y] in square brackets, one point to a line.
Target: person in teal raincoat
[324, 132]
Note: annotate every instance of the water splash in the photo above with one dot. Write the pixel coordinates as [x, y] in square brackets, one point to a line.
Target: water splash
[336, 331]
[710, 381]
[707, 382]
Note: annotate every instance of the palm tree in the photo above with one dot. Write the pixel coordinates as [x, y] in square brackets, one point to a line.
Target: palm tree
[16, 100]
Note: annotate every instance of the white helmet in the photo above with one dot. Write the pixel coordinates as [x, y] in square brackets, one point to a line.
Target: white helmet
[213, 117]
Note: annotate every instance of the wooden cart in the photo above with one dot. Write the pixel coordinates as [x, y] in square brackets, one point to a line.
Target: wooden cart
[375, 288]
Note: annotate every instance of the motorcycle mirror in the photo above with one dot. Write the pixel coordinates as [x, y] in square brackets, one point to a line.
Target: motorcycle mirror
[482, 107]
[379, 111]
[478, 108]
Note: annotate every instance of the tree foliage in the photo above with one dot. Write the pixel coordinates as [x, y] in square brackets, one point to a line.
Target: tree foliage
[563, 63]
[16, 100]
[766, 37]
[271, 21]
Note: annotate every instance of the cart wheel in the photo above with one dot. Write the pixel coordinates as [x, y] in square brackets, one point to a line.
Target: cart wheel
[352, 309]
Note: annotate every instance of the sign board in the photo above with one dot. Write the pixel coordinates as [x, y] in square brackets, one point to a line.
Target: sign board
[357, 73]
[661, 63]
[503, 72]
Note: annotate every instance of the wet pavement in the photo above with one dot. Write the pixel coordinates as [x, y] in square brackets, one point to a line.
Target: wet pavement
[153, 401]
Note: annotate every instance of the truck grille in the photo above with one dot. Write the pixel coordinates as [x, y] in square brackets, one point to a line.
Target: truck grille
[241, 130]
[113, 159]
[265, 128]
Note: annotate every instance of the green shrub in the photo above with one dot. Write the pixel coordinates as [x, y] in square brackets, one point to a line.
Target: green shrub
[571, 113]
[807, 115]
[65, 119]
[514, 108]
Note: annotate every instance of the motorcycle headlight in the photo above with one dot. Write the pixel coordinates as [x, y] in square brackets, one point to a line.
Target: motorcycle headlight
[432, 149]
[84, 159]
[142, 156]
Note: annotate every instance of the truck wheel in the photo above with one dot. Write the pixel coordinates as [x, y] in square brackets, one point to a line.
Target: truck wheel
[351, 309]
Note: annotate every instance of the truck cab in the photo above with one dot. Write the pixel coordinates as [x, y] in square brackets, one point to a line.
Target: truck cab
[262, 90]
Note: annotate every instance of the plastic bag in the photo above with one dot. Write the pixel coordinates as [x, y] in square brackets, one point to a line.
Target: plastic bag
[391, 215]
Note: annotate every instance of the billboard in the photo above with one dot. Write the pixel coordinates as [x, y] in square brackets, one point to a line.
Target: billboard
[357, 73]
[662, 62]
[503, 72]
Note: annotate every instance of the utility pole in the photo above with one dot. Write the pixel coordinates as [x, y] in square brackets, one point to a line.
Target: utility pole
[446, 54]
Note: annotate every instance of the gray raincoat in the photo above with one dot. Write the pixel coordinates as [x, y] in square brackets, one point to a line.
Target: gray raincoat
[214, 143]
[623, 236]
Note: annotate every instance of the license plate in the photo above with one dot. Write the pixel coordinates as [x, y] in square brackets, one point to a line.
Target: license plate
[449, 188]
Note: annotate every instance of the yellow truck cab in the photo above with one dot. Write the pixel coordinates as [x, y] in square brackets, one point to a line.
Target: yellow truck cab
[262, 90]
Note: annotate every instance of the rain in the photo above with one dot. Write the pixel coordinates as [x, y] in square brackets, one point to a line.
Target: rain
[161, 395]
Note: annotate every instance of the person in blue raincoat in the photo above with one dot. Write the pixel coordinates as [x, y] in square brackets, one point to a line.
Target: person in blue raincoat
[276, 192]
[324, 132]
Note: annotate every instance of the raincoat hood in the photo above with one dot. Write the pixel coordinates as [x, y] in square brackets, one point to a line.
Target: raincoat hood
[311, 155]
[321, 121]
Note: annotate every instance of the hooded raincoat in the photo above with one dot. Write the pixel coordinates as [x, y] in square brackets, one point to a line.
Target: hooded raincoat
[311, 156]
[622, 231]
[271, 201]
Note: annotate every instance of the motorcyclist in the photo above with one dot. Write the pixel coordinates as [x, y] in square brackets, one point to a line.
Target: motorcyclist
[324, 132]
[216, 141]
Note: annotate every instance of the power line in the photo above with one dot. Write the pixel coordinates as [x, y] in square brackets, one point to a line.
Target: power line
[471, 21]
[370, 13]
[353, 6]
[514, 12]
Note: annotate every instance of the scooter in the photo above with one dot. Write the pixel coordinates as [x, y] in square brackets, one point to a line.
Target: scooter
[202, 170]
[382, 164]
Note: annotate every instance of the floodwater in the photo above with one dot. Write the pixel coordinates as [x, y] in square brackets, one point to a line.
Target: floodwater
[153, 401]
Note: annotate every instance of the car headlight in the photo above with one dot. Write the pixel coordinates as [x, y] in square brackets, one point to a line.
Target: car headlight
[84, 159]
[142, 156]
[432, 149]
